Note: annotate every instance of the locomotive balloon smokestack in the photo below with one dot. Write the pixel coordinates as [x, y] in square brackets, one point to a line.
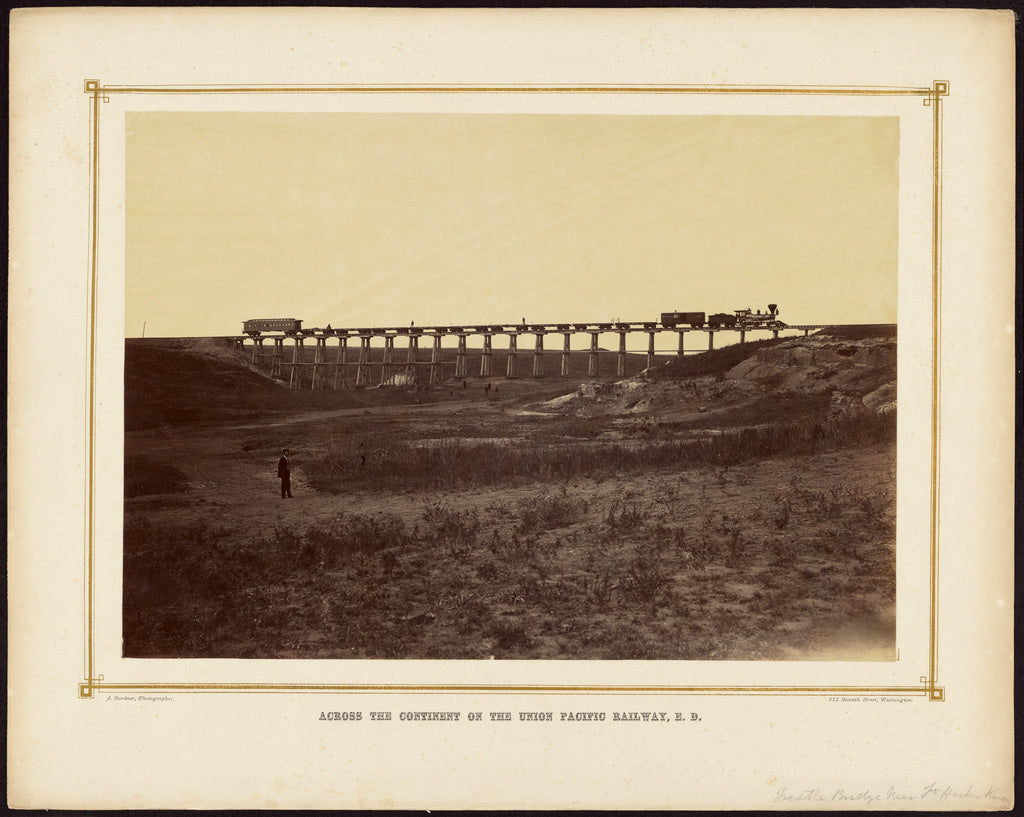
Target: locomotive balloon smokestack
[773, 309]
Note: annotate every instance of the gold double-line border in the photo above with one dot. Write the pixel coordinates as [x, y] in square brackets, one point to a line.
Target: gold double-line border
[95, 682]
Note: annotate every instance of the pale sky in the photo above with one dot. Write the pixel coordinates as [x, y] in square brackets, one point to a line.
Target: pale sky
[383, 219]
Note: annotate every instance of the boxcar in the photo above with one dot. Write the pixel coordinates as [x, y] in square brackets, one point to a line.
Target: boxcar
[676, 318]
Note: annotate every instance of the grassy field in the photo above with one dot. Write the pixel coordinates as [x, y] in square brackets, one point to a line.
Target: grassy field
[386, 461]
[769, 560]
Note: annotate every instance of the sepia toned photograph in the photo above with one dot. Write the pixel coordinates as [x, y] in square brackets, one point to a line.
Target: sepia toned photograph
[510, 386]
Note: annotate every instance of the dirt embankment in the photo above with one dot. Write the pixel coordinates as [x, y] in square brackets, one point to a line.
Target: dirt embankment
[815, 375]
[180, 381]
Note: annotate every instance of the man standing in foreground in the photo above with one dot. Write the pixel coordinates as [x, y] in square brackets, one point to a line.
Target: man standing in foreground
[285, 473]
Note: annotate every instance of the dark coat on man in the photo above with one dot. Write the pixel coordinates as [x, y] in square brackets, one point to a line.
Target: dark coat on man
[285, 473]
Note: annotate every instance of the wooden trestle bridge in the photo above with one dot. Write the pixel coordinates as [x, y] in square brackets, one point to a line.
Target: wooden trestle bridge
[331, 365]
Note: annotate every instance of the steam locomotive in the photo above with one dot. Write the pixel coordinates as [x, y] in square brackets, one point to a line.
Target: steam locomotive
[740, 319]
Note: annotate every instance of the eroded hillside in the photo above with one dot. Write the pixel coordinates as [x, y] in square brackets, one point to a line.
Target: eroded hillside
[817, 375]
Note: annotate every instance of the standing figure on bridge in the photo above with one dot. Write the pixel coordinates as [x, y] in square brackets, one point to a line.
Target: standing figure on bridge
[284, 471]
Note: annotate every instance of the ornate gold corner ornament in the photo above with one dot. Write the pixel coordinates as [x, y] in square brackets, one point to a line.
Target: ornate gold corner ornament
[94, 682]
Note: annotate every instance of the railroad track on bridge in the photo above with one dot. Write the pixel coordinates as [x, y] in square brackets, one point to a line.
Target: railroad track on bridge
[388, 370]
[524, 329]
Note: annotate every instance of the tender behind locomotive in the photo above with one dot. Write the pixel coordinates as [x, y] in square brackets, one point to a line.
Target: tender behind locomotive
[255, 326]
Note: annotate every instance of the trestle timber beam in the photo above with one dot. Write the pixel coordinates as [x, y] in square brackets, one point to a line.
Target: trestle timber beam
[278, 356]
[413, 354]
[295, 377]
[364, 360]
[339, 364]
[320, 365]
[485, 357]
[565, 354]
[460, 357]
[435, 361]
[319, 360]
[511, 369]
[389, 355]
